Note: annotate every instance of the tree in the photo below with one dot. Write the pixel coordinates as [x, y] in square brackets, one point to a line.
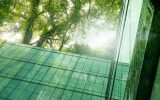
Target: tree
[5, 8]
[56, 21]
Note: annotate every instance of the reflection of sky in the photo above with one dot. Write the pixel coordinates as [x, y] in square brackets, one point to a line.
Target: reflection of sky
[99, 35]
[10, 32]
[130, 31]
[98, 38]
[11, 36]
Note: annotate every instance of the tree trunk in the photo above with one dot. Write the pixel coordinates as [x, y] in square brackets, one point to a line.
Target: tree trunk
[63, 40]
[28, 33]
[33, 15]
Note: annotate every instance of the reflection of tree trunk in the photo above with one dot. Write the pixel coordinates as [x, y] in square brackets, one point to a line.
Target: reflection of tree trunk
[33, 15]
[40, 43]
[63, 41]
[45, 36]
[65, 24]
[28, 33]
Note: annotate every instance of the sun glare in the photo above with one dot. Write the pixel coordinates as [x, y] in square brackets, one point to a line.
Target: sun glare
[97, 39]
[11, 37]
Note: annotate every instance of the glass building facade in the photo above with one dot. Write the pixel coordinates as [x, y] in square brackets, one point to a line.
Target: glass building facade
[33, 73]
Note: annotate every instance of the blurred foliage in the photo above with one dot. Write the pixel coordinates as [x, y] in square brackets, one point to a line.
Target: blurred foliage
[5, 8]
[54, 21]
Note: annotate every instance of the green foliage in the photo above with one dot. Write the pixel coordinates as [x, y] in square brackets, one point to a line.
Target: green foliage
[5, 8]
[55, 20]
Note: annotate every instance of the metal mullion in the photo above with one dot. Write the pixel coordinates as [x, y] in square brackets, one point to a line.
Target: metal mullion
[19, 79]
[51, 86]
[92, 87]
[44, 64]
[87, 64]
[95, 80]
[11, 53]
[53, 63]
[30, 81]
[65, 71]
[50, 59]
[14, 79]
[72, 71]
[88, 75]
[59, 80]
[22, 78]
[4, 47]
[19, 53]
[71, 74]
[85, 85]
[47, 87]
[80, 68]
[68, 62]
[34, 76]
[10, 70]
[44, 75]
[103, 80]
[68, 75]
[26, 53]
[57, 67]
[23, 90]
[38, 55]
[32, 53]
[85, 80]
[15, 51]
[5, 85]
[5, 65]
[37, 85]
[14, 66]
[121, 80]
[53, 76]
[54, 86]
[9, 50]
[90, 68]
[74, 55]
[23, 68]
[52, 93]
[113, 70]
[54, 60]
[79, 78]
[54, 89]
[36, 73]
[10, 62]
[9, 87]
[22, 53]
[57, 70]
[14, 88]
[47, 59]
[58, 84]
[49, 54]
[96, 68]
[107, 68]
[52, 66]
[1, 79]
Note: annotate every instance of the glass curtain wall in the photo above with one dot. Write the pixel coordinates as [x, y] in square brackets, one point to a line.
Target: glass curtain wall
[132, 39]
